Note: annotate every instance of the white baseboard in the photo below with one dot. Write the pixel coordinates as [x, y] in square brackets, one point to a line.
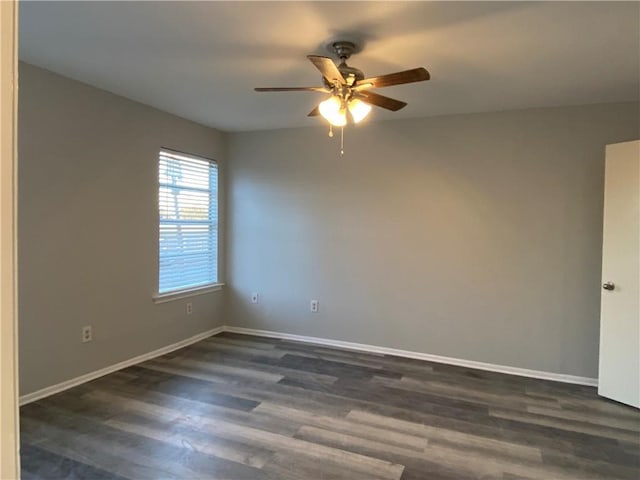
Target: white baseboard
[522, 372]
[87, 377]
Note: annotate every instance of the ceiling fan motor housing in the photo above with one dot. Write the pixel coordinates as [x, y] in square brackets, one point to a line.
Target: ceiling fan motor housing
[347, 71]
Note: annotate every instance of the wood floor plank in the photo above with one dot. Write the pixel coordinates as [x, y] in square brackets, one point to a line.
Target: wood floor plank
[449, 390]
[208, 445]
[161, 408]
[108, 449]
[599, 406]
[256, 363]
[281, 443]
[256, 437]
[228, 371]
[567, 424]
[244, 336]
[494, 466]
[606, 470]
[414, 461]
[297, 467]
[341, 425]
[333, 368]
[448, 437]
[630, 424]
[222, 347]
[240, 407]
[41, 463]
[358, 444]
[512, 431]
[256, 391]
[359, 391]
[178, 384]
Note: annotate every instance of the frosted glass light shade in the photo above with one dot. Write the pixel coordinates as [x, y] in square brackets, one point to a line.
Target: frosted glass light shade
[359, 110]
[333, 111]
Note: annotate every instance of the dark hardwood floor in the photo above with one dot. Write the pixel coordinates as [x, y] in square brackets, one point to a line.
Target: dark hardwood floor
[242, 407]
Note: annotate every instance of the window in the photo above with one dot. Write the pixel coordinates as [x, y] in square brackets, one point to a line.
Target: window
[188, 207]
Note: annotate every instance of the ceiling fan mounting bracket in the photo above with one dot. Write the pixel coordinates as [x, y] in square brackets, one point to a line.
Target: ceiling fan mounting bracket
[343, 49]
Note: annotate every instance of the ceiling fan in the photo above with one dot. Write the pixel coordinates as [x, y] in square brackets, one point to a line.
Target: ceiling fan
[351, 95]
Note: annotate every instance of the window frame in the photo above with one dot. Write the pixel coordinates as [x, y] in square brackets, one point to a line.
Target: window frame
[200, 289]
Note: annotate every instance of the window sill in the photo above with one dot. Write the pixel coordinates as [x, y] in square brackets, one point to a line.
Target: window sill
[190, 292]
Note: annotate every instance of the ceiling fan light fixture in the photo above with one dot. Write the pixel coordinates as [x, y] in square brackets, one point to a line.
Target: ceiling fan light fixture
[358, 109]
[332, 109]
[350, 92]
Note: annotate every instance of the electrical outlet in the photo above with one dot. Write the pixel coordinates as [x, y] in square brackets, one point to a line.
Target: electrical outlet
[255, 298]
[314, 306]
[87, 334]
[189, 308]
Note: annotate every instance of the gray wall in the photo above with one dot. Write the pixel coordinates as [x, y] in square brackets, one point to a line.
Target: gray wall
[471, 236]
[87, 225]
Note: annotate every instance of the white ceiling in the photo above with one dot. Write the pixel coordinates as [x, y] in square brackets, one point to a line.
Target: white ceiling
[201, 60]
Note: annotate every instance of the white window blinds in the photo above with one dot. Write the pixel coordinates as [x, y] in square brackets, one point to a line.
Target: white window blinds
[188, 204]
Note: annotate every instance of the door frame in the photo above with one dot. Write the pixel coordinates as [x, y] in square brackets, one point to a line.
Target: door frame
[9, 414]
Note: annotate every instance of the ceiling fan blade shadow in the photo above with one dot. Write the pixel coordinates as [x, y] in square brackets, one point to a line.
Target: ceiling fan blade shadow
[381, 101]
[327, 68]
[315, 112]
[398, 78]
[291, 89]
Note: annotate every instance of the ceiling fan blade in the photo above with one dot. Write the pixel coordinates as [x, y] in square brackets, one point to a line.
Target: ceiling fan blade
[381, 101]
[408, 76]
[327, 68]
[291, 89]
[362, 86]
[314, 113]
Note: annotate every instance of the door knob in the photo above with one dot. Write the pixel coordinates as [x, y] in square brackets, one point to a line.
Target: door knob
[608, 285]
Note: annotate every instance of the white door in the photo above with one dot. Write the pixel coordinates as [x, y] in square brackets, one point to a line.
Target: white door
[619, 375]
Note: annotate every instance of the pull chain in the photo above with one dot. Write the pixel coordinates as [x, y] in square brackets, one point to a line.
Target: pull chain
[341, 137]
